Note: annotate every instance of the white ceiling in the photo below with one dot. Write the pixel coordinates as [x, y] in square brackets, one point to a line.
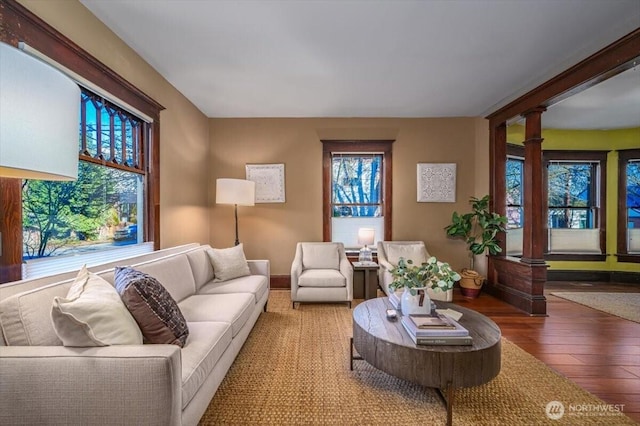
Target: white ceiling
[358, 58]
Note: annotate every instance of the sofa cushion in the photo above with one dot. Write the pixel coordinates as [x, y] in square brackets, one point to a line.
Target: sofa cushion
[153, 308]
[26, 317]
[321, 278]
[229, 263]
[257, 285]
[93, 314]
[234, 309]
[201, 266]
[174, 273]
[207, 342]
[416, 252]
[320, 256]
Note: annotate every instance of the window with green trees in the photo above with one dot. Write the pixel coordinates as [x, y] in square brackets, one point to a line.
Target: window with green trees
[104, 207]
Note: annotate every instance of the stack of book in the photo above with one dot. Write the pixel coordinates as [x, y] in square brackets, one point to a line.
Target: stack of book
[435, 330]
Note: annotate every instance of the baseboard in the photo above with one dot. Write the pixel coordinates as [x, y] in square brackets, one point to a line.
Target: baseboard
[280, 282]
[597, 276]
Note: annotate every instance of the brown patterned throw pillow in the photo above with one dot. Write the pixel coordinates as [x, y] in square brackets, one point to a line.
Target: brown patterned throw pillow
[153, 308]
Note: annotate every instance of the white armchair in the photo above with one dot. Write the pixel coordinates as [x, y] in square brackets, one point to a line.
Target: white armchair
[321, 272]
[389, 252]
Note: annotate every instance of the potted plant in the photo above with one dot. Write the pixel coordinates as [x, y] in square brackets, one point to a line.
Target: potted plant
[415, 279]
[479, 229]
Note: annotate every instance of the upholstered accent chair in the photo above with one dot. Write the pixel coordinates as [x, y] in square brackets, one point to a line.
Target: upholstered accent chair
[321, 272]
[389, 252]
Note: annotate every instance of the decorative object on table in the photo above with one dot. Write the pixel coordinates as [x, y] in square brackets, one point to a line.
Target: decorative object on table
[269, 180]
[238, 192]
[479, 229]
[366, 236]
[436, 182]
[414, 279]
[40, 107]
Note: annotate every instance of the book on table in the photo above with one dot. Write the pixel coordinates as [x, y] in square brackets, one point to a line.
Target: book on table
[428, 322]
[412, 328]
[446, 336]
[444, 341]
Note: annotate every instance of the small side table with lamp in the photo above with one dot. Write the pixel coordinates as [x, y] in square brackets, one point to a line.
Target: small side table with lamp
[365, 266]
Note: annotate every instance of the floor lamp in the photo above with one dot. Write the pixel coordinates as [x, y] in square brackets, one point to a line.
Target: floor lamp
[238, 192]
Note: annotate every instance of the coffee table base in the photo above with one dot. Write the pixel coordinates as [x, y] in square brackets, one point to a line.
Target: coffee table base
[447, 395]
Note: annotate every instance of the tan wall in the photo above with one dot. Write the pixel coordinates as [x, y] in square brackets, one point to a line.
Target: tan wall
[271, 231]
[184, 139]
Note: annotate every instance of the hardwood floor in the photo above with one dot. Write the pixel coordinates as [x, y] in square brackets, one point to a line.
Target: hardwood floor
[597, 351]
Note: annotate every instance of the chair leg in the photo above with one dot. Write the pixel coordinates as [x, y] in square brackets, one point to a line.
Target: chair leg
[293, 305]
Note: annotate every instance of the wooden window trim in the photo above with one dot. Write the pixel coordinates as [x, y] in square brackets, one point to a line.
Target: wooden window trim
[363, 146]
[20, 24]
[622, 250]
[601, 219]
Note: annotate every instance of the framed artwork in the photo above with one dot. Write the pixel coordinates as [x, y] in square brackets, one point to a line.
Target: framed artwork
[436, 182]
[269, 179]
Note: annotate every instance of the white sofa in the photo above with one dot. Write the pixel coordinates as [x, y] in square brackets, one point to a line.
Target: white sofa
[389, 253]
[43, 382]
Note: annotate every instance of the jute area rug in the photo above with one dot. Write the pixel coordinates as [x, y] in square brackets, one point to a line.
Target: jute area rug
[623, 305]
[294, 370]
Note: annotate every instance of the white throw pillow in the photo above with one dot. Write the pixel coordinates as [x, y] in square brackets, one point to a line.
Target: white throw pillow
[416, 252]
[228, 263]
[93, 314]
[320, 256]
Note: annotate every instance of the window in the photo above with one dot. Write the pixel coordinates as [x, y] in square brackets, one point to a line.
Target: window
[575, 182]
[356, 196]
[20, 24]
[572, 194]
[629, 205]
[104, 208]
[515, 204]
[356, 190]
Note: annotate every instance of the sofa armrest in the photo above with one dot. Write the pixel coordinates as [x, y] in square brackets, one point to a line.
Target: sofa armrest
[260, 267]
[139, 384]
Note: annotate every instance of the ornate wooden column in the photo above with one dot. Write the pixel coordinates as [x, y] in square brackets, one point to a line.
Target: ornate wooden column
[520, 282]
[533, 192]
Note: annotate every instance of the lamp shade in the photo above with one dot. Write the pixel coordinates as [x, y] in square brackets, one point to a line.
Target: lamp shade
[39, 119]
[235, 191]
[366, 236]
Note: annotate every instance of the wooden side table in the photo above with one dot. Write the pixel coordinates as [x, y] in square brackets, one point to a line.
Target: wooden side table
[370, 272]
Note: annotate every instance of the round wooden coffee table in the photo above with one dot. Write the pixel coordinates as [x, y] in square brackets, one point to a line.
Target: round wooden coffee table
[386, 345]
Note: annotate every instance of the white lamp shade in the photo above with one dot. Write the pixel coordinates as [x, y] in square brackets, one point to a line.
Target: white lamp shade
[235, 191]
[39, 119]
[366, 236]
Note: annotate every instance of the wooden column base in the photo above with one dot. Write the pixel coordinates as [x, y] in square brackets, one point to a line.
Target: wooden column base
[518, 283]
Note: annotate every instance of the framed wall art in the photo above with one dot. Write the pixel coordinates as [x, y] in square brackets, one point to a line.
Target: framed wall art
[269, 179]
[436, 182]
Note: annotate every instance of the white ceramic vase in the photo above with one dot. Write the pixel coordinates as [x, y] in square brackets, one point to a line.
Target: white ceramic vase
[418, 304]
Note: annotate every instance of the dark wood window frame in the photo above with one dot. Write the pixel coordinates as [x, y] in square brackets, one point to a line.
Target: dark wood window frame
[356, 146]
[21, 25]
[622, 250]
[601, 215]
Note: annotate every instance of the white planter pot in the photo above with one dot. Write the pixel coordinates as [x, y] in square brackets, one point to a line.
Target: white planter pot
[420, 304]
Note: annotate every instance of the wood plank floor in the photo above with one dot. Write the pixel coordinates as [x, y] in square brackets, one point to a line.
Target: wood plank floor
[597, 351]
